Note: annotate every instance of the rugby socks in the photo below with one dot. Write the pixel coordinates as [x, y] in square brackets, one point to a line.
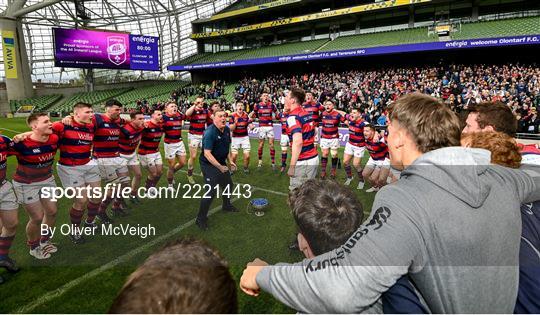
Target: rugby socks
[116, 204]
[360, 177]
[93, 209]
[151, 183]
[284, 159]
[259, 152]
[273, 155]
[5, 245]
[75, 216]
[45, 237]
[190, 172]
[324, 162]
[334, 166]
[348, 170]
[33, 244]
[170, 178]
[104, 205]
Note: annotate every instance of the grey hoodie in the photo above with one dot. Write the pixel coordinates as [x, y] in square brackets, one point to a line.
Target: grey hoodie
[452, 222]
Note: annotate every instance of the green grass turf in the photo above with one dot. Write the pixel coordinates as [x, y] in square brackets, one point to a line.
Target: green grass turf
[240, 237]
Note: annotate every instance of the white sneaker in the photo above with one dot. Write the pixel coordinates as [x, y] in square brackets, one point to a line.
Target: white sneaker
[372, 189]
[38, 253]
[348, 181]
[260, 164]
[360, 185]
[191, 180]
[49, 247]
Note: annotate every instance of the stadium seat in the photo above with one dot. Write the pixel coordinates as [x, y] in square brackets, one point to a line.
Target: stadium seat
[499, 28]
[38, 103]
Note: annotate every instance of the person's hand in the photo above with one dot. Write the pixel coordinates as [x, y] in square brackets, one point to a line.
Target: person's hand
[290, 172]
[22, 136]
[248, 281]
[223, 169]
[233, 166]
[68, 120]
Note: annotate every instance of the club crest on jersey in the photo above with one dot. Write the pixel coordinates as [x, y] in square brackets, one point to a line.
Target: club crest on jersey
[37, 150]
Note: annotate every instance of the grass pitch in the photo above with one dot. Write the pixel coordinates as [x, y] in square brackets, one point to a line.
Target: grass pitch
[86, 278]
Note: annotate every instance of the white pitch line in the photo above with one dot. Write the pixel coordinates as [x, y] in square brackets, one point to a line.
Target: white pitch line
[11, 130]
[68, 286]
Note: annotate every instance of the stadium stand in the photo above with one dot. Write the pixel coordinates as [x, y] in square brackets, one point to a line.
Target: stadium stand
[407, 36]
[37, 103]
[511, 27]
[482, 29]
[154, 92]
[87, 97]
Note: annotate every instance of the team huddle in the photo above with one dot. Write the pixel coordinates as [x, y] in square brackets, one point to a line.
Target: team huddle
[96, 149]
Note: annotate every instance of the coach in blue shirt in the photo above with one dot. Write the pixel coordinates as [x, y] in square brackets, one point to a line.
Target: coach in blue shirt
[216, 142]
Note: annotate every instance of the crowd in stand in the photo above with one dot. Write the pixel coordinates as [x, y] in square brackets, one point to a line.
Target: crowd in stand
[458, 86]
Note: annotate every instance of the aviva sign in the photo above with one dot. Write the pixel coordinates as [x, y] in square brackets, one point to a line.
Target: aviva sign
[10, 57]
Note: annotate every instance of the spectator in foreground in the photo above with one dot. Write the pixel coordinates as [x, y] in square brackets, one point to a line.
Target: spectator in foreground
[186, 276]
[436, 224]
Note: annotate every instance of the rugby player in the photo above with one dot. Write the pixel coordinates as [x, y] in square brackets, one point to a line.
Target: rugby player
[239, 123]
[113, 168]
[355, 147]
[35, 156]
[130, 138]
[8, 209]
[198, 117]
[378, 166]
[264, 112]
[149, 149]
[175, 151]
[76, 169]
[330, 120]
[284, 140]
[315, 109]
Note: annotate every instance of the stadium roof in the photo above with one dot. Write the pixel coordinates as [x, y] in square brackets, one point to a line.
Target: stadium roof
[168, 19]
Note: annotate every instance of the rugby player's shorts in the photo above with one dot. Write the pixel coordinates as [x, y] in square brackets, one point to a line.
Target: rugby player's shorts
[31, 193]
[304, 171]
[78, 175]
[195, 141]
[330, 143]
[266, 132]
[378, 163]
[8, 199]
[240, 143]
[174, 149]
[284, 140]
[131, 159]
[151, 159]
[109, 168]
[357, 152]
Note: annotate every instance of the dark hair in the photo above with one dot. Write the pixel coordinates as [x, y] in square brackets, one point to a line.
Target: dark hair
[81, 105]
[326, 213]
[186, 276]
[34, 116]
[113, 102]
[431, 124]
[298, 94]
[370, 126]
[497, 115]
[134, 114]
